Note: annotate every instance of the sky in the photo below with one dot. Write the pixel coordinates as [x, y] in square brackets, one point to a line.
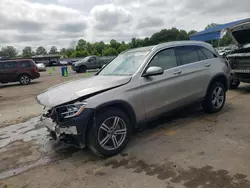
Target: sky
[63, 22]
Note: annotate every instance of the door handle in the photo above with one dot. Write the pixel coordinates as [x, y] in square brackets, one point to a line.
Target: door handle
[177, 72]
[207, 65]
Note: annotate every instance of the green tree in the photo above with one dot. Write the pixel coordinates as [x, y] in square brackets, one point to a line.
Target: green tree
[99, 46]
[89, 48]
[122, 47]
[211, 25]
[80, 53]
[53, 50]
[27, 52]
[109, 52]
[114, 44]
[69, 52]
[41, 51]
[81, 45]
[9, 51]
[226, 40]
[182, 35]
[191, 32]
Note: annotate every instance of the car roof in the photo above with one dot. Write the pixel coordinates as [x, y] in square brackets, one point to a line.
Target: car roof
[171, 44]
[7, 60]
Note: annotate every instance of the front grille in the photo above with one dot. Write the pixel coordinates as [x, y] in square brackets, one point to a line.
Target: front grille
[243, 75]
[240, 63]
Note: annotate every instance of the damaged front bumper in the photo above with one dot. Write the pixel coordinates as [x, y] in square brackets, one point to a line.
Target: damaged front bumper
[71, 131]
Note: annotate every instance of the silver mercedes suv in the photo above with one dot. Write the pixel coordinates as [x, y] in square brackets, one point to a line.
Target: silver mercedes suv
[137, 86]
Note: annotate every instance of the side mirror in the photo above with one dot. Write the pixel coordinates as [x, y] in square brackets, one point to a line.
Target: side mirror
[153, 71]
[89, 60]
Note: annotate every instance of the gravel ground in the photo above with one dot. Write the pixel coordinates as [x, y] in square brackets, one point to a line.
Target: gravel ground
[188, 150]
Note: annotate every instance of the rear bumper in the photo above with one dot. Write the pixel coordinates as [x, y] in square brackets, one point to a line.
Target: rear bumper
[72, 131]
[35, 75]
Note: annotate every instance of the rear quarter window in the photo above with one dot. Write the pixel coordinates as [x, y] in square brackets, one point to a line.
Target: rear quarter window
[25, 64]
[186, 54]
[1, 65]
[208, 54]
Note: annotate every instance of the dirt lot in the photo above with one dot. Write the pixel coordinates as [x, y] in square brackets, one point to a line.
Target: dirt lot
[188, 150]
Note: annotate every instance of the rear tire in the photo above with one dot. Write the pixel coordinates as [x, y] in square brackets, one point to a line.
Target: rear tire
[215, 98]
[82, 69]
[24, 79]
[106, 139]
[234, 84]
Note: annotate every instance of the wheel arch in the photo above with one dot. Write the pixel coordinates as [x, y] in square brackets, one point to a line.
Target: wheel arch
[219, 77]
[22, 74]
[123, 105]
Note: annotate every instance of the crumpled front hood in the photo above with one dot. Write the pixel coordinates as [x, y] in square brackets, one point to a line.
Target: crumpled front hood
[73, 90]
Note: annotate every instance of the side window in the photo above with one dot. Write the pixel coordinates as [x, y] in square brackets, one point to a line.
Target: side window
[208, 53]
[1, 65]
[186, 54]
[9, 65]
[164, 59]
[25, 64]
[201, 54]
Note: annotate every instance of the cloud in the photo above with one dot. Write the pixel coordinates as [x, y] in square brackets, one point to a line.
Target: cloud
[22, 25]
[107, 17]
[147, 22]
[32, 21]
[72, 27]
[59, 22]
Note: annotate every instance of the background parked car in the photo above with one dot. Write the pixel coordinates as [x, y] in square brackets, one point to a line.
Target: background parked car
[41, 67]
[22, 70]
[91, 62]
[239, 59]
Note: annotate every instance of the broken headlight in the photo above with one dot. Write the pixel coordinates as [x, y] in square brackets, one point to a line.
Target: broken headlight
[71, 110]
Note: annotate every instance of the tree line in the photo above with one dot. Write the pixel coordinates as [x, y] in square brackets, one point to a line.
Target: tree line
[84, 48]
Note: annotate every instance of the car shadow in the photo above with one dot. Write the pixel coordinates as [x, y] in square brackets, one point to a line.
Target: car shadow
[243, 88]
[194, 111]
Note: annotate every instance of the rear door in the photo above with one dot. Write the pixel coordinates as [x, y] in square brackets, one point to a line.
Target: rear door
[2, 79]
[10, 71]
[26, 66]
[195, 72]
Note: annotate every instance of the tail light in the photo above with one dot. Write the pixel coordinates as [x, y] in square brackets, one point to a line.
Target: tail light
[35, 68]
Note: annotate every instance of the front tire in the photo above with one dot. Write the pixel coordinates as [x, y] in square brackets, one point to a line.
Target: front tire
[24, 79]
[110, 133]
[215, 98]
[82, 69]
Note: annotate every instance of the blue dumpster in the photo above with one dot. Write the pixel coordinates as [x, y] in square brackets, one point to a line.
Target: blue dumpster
[64, 71]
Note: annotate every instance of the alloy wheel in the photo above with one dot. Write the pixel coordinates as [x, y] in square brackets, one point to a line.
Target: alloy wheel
[24, 79]
[112, 133]
[218, 97]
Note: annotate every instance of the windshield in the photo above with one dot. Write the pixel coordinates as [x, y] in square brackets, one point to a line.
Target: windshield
[84, 59]
[125, 64]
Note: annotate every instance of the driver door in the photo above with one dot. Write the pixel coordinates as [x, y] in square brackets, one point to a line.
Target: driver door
[92, 63]
[161, 92]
